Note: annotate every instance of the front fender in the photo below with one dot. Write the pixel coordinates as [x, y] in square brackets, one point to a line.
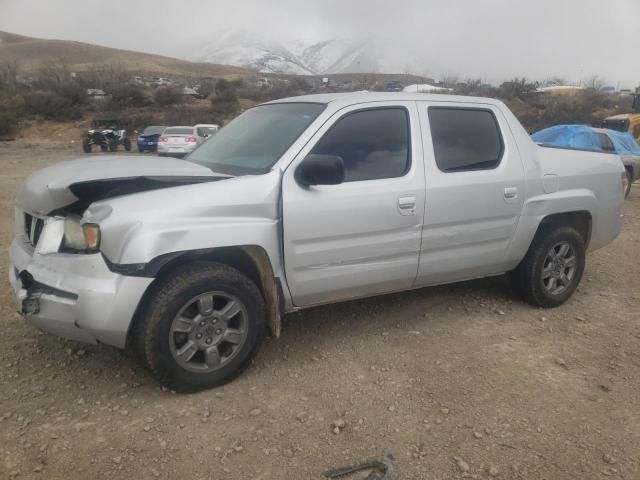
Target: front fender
[234, 212]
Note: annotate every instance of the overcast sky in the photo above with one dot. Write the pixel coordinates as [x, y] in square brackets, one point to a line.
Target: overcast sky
[492, 39]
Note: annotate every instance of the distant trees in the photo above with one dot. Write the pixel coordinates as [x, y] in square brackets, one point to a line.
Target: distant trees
[516, 88]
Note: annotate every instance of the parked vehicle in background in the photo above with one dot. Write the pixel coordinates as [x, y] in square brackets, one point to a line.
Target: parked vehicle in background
[148, 140]
[107, 134]
[625, 122]
[178, 141]
[599, 139]
[393, 86]
[296, 203]
[206, 130]
[192, 92]
[161, 82]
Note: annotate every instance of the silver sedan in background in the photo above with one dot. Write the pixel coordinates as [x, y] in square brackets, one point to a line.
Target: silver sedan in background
[178, 141]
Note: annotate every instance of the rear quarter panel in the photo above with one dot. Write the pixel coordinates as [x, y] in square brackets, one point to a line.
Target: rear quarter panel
[574, 180]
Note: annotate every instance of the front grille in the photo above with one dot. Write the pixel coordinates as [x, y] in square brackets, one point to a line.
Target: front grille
[33, 228]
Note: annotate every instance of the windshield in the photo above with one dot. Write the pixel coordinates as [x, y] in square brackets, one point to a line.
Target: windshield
[156, 130]
[178, 131]
[253, 142]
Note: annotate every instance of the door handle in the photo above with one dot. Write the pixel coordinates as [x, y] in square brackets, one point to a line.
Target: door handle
[510, 193]
[407, 205]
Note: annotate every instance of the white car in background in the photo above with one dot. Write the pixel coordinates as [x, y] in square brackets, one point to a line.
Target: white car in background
[180, 141]
[207, 130]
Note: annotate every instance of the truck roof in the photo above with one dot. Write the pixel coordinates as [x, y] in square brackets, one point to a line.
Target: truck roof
[358, 97]
[624, 116]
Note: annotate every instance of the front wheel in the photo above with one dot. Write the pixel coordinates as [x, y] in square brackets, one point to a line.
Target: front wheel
[127, 144]
[200, 326]
[553, 267]
[86, 145]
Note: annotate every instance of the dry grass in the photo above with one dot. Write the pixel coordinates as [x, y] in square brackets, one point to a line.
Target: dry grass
[33, 53]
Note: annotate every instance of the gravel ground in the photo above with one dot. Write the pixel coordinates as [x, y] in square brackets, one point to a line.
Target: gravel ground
[457, 381]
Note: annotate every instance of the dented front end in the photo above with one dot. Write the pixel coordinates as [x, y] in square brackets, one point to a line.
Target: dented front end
[145, 209]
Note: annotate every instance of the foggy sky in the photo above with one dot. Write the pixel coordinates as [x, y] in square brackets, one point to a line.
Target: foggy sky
[489, 39]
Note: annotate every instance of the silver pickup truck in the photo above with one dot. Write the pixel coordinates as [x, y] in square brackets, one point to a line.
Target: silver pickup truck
[301, 202]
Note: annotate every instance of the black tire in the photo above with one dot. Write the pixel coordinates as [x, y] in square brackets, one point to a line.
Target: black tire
[627, 188]
[86, 145]
[127, 144]
[528, 276]
[152, 330]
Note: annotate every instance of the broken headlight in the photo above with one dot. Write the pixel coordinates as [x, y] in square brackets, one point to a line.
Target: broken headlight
[80, 237]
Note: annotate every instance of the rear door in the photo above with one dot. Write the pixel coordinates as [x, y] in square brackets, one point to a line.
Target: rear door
[475, 190]
[361, 237]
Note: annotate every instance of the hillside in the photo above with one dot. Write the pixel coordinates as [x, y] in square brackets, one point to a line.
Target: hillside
[31, 53]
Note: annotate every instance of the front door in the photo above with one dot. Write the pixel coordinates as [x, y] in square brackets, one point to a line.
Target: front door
[361, 237]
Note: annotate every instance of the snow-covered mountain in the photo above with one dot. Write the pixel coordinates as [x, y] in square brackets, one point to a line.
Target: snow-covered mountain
[301, 58]
[238, 49]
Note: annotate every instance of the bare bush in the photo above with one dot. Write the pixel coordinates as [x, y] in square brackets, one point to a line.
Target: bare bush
[8, 124]
[516, 88]
[225, 101]
[189, 115]
[168, 96]
[128, 95]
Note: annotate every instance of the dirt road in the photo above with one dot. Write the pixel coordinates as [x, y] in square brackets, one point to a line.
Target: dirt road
[458, 381]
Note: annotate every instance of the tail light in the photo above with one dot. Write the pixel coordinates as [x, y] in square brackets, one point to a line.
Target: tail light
[191, 139]
[163, 139]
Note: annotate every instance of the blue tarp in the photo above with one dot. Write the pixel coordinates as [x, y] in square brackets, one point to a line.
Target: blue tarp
[571, 136]
[624, 142]
[586, 138]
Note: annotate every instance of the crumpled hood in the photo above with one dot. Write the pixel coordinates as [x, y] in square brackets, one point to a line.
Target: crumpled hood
[78, 183]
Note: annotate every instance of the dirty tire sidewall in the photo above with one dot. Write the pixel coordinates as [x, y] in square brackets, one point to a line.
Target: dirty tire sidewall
[528, 275]
[164, 302]
[627, 189]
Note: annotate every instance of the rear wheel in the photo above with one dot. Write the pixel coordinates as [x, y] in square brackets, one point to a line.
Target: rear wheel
[86, 145]
[553, 267]
[627, 183]
[200, 326]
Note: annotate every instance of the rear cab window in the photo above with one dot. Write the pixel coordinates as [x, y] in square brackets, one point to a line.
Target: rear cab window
[178, 131]
[465, 138]
[605, 143]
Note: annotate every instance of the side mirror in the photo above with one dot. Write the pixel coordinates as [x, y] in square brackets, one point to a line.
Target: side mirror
[320, 170]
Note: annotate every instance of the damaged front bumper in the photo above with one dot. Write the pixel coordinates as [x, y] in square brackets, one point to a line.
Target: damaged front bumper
[74, 296]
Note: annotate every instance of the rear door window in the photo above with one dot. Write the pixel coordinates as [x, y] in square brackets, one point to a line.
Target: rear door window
[465, 139]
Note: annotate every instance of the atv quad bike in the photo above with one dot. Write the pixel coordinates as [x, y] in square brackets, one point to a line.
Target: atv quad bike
[107, 134]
